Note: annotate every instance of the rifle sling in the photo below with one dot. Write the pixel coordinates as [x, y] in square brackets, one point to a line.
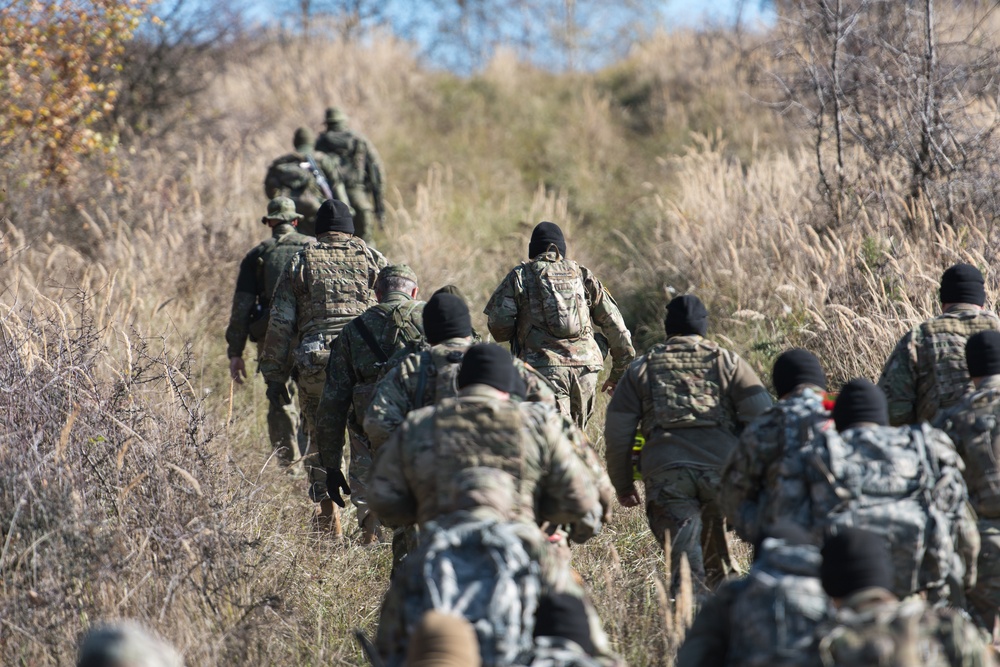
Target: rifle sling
[369, 338]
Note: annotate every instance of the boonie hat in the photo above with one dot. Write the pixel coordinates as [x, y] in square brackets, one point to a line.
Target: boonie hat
[398, 271]
[281, 208]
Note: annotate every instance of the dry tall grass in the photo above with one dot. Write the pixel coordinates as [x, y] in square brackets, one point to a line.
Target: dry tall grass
[132, 483]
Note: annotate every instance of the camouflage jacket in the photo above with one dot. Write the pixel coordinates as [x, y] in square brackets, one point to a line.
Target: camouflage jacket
[316, 298]
[481, 450]
[765, 619]
[509, 319]
[423, 378]
[974, 427]
[252, 282]
[354, 367]
[874, 628]
[735, 392]
[764, 480]
[926, 372]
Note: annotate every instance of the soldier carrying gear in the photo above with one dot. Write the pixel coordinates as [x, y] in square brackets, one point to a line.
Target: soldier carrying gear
[974, 426]
[356, 357]
[689, 397]
[762, 480]
[364, 173]
[547, 308]
[259, 273]
[324, 286]
[926, 374]
[308, 177]
[872, 627]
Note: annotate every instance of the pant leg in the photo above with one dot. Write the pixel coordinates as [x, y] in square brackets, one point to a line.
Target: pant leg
[359, 470]
[583, 390]
[560, 379]
[984, 598]
[283, 426]
[672, 505]
[310, 390]
[715, 547]
[364, 213]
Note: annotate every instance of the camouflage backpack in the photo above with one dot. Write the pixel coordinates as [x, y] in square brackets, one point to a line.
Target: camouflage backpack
[685, 382]
[556, 299]
[438, 376]
[885, 480]
[271, 262]
[479, 569]
[291, 176]
[777, 608]
[349, 151]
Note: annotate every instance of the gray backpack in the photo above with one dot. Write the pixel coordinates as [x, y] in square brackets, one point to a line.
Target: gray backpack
[888, 481]
[778, 608]
[479, 569]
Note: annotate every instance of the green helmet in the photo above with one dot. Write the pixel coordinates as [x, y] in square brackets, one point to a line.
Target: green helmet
[281, 208]
[304, 139]
[335, 116]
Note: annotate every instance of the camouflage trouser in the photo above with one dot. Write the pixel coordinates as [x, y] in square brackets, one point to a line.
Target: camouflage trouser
[984, 598]
[575, 389]
[310, 383]
[684, 501]
[364, 212]
[359, 470]
[283, 426]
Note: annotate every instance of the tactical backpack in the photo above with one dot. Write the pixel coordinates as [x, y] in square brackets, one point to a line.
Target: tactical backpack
[400, 334]
[557, 301]
[777, 608]
[270, 264]
[437, 378]
[886, 481]
[481, 570]
[685, 382]
[291, 176]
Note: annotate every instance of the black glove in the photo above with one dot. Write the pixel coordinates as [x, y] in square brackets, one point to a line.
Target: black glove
[278, 394]
[335, 483]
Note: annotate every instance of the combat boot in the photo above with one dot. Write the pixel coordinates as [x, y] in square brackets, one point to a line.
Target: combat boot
[371, 531]
[327, 519]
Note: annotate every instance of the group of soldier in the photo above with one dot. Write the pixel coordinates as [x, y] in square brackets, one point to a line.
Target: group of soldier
[872, 513]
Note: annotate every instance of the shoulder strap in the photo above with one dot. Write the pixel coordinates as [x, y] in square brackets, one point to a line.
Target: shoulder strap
[426, 359]
[369, 338]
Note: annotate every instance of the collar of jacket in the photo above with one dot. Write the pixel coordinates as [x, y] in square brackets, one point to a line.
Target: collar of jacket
[281, 230]
[396, 297]
[867, 598]
[334, 237]
[482, 391]
[963, 307]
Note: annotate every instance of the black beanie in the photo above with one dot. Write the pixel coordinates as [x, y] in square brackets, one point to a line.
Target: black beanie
[794, 367]
[334, 216]
[546, 234]
[963, 283]
[564, 615]
[982, 354]
[686, 315]
[860, 401]
[489, 364]
[853, 560]
[446, 316]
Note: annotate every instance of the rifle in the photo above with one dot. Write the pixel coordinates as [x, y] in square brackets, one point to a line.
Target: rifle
[320, 177]
[368, 648]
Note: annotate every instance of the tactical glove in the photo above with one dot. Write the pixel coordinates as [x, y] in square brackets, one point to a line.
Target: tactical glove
[278, 394]
[335, 483]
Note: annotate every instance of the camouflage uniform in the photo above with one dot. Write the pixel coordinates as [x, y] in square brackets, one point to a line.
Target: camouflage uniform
[259, 272]
[688, 397]
[351, 373]
[291, 176]
[547, 307]
[362, 169]
[974, 426]
[926, 372]
[765, 619]
[478, 448]
[323, 288]
[763, 480]
[874, 628]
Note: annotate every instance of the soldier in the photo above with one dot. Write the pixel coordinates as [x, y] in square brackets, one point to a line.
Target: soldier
[926, 372]
[974, 426]
[427, 377]
[767, 618]
[689, 397]
[356, 357]
[259, 272]
[482, 448]
[309, 177]
[872, 627]
[763, 480]
[547, 308]
[362, 168]
[126, 644]
[902, 482]
[324, 286]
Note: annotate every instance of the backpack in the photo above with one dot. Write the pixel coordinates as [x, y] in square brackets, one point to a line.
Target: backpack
[884, 480]
[558, 303]
[291, 176]
[479, 569]
[778, 607]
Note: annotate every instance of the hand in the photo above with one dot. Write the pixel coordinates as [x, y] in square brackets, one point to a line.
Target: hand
[630, 499]
[609, 386]
[237, 369]
[277, 393]
[335, 483]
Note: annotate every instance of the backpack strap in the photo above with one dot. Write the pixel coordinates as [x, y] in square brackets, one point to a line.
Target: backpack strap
[426, 360]
[369, 338]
